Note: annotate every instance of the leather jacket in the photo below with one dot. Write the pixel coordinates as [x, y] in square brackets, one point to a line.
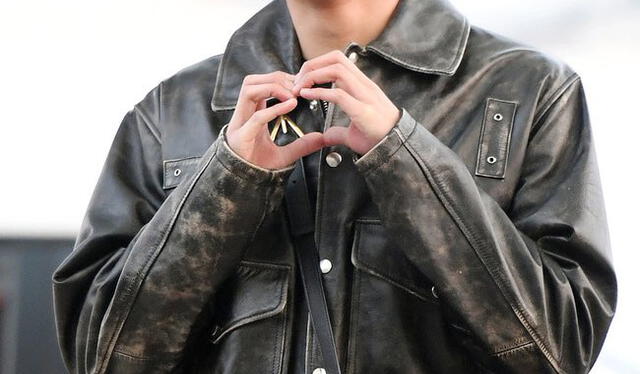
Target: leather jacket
[472, 238]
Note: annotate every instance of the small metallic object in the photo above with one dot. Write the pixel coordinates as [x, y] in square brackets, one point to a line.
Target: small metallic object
[333, 159]
[497, 117]
[353, 56]
[284, 121]
[325, 266]
[491, 160]
[177, 172]
[313, 105]
[434, 293]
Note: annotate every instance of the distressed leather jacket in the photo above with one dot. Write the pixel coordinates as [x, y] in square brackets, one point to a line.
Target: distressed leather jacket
[472, 238]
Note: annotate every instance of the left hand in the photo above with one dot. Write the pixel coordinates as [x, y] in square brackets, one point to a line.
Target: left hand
[371, 112]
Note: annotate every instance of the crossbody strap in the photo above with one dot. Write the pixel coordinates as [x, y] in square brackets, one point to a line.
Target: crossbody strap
[301, 225]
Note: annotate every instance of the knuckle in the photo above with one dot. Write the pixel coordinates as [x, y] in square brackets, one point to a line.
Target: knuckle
[336, 53]
[248, 79]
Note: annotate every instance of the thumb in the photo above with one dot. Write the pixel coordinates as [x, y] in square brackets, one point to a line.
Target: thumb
[307, 144]
[336, 135]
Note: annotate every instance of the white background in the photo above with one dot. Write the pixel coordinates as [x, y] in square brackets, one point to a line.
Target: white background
[71, 69]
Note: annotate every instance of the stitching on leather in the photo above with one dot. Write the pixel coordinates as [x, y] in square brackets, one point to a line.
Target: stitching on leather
[122, 313]
[522, 347]
[507, 142]
[165, 170]
[256, 316]
[275, 349]
[147, 122]
[450, 70]
[479, 249]
[353, 324]
[554, 98]
[523, 340]
[400, 283]
[283, 330]
[376, 165]
[132, 357]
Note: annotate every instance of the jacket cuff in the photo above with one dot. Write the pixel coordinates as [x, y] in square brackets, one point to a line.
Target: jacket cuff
[387, 146]
[248, 170]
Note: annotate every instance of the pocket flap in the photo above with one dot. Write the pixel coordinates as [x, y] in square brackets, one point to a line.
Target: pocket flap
[376, 254]
[177, 170]
[255, 291]
[495, 138]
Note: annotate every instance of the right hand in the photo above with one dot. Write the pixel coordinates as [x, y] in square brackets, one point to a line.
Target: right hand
[248, 133]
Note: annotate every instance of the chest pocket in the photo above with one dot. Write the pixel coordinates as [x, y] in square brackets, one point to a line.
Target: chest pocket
[495, 138]
[177, 170]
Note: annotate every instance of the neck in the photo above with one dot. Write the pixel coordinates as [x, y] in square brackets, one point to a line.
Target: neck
[325, 25]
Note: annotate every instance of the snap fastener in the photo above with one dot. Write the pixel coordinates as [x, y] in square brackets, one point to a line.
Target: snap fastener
[319, 371]
[325, 266]
[497, 117]
[177, 172]
[313, 105]
[353, 57]
[333, 159]
[491, 160]
[434, 293]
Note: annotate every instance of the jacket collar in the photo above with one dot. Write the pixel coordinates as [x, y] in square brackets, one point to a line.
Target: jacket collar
[427, 36]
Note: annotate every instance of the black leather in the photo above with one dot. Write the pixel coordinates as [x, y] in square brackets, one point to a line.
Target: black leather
[444, 260]
[301, 226]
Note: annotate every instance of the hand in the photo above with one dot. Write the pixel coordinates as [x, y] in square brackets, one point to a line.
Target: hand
[371, 112]
[248, 133]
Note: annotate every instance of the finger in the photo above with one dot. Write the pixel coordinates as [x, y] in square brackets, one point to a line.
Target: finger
[252, 128]
[332, 73]
[333, 57]
[307, 144]
[253, 95]
[336, 135]
[350, 105]
[273, 77]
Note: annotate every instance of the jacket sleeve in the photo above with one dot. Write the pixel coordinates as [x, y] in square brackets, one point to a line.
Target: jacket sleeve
[532, 287]
[145, 268]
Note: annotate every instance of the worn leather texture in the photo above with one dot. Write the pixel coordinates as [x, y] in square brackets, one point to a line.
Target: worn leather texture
[472, 238]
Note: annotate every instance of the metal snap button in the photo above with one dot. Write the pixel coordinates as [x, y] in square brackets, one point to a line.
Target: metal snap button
[353, 56]
[434, 293]
[319, 371]
[491, 160]
[497, 117]
[313, 105]
[177, 172]
[333, 159]
[325, 266]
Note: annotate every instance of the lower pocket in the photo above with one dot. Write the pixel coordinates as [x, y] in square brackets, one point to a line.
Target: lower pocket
[248, 335]
[397, 322]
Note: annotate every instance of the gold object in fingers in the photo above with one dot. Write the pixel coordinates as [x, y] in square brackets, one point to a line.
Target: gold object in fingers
[284, 121]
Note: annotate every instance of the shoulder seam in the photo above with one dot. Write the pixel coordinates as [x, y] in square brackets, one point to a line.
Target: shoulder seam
[554, 98]
[148, 123]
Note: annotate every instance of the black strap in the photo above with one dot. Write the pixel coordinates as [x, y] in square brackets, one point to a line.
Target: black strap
[301, 225]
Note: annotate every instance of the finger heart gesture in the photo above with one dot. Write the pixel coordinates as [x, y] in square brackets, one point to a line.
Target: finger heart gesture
[371, 112]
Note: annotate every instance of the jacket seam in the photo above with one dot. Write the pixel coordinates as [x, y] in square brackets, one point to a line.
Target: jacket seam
[132, 289]
[372, 270]
[479, 248]
[147, 122]
[256, 316]
[557, 94]
[517, 348]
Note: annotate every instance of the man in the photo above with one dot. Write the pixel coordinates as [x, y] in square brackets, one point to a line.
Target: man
[459, 214]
